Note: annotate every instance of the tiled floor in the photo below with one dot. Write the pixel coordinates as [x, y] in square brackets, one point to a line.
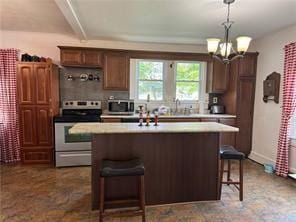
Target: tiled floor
[48, 194]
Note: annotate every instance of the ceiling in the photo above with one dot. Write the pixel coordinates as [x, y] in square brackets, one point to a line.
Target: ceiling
[33, 16]
[166, 21]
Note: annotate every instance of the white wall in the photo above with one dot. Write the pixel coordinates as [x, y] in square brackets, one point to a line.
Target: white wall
[45, 44]
[267, 116]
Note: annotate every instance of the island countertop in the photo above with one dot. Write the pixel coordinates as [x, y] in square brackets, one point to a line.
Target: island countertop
[180, 127]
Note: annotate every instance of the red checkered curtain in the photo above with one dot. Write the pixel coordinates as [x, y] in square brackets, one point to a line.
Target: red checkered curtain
[9, 140]
[289, 108]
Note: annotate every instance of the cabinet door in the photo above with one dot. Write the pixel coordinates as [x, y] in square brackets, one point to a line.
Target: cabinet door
[44, 126]
[27, 126]
[116, 71]
[92, 58]
[248, 65]
[26, 84]
[217, 77]
[228, 138]
[246, 91]
[42, 79]
[71, 57]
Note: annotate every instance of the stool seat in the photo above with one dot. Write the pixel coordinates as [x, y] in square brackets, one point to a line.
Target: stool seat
[229, 152]
[111, 168]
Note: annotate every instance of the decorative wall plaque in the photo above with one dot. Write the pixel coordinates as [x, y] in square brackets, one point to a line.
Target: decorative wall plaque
[271, 87]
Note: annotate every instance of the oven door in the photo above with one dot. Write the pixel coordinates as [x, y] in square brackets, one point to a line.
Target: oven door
[70, 142]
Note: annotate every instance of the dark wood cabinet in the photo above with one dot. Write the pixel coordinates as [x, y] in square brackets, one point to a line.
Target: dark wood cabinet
[27, 119]
[38, 102]
[247, 66]
[71, 57]
[228, 138]
[81, 58]
[44, 126]
[116, 71]
[92, 58]
[42, 85]
[217, 77]
[245, 107]
[26, 84]
[239, 98]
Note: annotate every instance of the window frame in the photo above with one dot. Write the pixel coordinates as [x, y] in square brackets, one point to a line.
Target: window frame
[175, 64]
[169, 82]
[137, 79]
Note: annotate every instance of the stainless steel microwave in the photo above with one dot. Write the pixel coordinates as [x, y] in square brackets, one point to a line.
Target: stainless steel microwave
[121, 107]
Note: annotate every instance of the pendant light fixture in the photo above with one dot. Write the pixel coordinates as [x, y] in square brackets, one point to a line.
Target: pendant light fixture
[224, 51]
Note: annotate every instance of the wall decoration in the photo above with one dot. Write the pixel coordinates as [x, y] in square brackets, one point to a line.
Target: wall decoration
[271, 87]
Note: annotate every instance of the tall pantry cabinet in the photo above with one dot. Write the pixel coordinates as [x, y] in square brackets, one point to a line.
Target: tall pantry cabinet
[38, 103]
[240, 96]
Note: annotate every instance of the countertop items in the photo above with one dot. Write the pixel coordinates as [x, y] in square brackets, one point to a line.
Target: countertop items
[105, 116]
[111, 128]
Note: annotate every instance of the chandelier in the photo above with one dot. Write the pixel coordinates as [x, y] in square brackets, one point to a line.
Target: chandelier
[224, 51]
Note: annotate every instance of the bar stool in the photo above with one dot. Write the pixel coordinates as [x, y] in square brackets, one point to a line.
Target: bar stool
[112, 168]
[229, 153]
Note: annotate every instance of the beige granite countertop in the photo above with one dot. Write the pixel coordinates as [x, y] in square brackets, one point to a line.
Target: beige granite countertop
[108, 128]
[106, 116]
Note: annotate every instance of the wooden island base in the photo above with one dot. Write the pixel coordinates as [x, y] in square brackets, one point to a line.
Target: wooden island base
[179, 167]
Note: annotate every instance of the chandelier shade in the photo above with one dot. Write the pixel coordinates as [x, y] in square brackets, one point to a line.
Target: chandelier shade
[213, 45]
[243, 43]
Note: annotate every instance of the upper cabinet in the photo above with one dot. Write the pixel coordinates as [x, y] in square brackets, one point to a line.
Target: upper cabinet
[248, 65]
[217, 77]
[116, 71]
[81, 58]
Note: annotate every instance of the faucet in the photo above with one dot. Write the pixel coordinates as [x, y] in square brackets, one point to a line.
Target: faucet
[177, 103]
[146, 104]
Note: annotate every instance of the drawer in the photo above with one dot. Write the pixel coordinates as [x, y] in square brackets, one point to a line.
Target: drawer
[79, 158]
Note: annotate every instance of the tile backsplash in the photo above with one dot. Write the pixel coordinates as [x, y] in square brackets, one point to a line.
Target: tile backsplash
[88, 90]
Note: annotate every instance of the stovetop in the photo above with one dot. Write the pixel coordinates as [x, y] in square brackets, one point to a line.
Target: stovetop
[80, 111]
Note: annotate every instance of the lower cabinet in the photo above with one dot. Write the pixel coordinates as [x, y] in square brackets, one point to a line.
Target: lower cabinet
[37, 155]
[36, 129]
[228, 138]
[111, 120]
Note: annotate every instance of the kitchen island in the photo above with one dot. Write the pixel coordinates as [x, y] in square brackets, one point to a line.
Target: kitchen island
[181, 159]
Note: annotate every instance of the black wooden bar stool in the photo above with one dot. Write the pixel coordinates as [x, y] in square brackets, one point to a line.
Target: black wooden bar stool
[228, 153]
[112, 168]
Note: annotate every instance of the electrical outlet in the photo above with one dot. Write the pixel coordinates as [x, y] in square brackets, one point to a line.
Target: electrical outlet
[215, 99]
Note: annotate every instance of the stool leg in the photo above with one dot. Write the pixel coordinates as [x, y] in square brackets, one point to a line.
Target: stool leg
[142, 196]
[241, 189]
[102, 198]
[221, 177]
[228, 171]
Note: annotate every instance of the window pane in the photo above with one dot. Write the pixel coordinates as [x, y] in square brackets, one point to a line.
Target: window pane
[187, 90]
[153, 88]
[187, 71]
[150, 70]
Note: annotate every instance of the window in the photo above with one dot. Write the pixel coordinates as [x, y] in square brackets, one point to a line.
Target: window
[150, 79]
[164, 81]
[187, 80]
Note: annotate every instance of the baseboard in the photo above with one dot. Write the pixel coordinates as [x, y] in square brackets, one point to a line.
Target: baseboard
[263, 159]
